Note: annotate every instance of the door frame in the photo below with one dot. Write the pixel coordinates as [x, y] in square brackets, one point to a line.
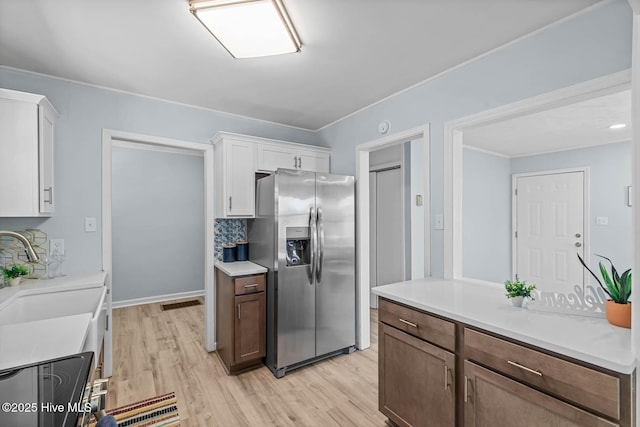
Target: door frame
[111, 138]
[453, 146]
[586, 213]
[363, 327]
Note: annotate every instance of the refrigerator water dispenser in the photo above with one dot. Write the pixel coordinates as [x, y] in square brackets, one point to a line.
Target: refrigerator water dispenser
[298, 246]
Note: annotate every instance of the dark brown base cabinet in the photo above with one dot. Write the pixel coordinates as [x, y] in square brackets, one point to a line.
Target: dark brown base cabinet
[240, 321]
[437, 372]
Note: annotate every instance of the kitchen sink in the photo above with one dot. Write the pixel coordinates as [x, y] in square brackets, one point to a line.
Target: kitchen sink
[56, 303]
[46, 304]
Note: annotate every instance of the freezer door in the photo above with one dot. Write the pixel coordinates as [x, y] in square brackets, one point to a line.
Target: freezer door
[295, 218]
[335, 269]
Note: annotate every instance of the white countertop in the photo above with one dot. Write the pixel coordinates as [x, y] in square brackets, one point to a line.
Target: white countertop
[31, 342]
[239, 268]
[588, 339]
[35, 286]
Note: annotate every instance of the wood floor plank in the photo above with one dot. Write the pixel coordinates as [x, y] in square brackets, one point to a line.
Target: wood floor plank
[156, 352]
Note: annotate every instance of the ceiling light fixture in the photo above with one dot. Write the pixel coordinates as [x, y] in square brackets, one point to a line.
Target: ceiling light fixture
[618, 126]
[248, 28]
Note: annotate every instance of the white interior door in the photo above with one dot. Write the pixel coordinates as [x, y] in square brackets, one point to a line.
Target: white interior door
[387, 257]
[549, 230]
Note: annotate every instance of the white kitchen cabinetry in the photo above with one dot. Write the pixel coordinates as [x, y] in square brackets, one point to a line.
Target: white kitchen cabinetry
[239, 157]
[26, 155]
[235, 177]
[292, 156]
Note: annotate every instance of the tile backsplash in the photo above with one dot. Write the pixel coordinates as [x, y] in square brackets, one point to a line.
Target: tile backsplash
[12, 252]
[228, 231]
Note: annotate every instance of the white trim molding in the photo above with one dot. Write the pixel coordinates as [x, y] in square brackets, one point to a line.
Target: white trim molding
[157, 298]
[363, 332]
[453, 146]
[111, 138]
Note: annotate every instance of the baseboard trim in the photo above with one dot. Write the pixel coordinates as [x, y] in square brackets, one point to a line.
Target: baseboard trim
[157, 298]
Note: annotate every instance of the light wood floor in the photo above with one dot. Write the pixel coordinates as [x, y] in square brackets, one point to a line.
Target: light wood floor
[157, 352]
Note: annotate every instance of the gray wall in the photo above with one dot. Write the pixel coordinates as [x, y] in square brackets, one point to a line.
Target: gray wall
[158, 223]
[86, 110]
[589, 45]
[486, 216]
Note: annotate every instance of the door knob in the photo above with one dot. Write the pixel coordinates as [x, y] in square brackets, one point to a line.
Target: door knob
[578, 244]
[578, 235]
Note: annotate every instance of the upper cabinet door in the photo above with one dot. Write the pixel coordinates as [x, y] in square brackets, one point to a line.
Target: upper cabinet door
[45, 164]
[240, 179]
[282, 156]
[313, 161]
[26, 155]
[273, 157]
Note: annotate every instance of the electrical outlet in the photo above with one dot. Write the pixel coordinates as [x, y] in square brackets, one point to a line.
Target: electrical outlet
[439, 222]
[89, 225]
[56, 245]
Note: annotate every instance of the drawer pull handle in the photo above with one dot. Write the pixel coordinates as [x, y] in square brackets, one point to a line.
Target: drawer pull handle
[517, 365]
[251, 286]
[406, 322]
[466, 388]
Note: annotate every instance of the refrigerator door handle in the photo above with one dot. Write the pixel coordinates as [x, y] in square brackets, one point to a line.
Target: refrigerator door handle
[320, 245]
[312, 229]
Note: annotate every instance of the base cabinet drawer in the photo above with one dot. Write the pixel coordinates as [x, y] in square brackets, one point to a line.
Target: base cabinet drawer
[416, 380]
[422, 325]
[491, 399]
[584, 386]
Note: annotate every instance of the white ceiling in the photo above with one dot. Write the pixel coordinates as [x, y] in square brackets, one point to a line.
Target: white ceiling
[582, 124]
[354, 52]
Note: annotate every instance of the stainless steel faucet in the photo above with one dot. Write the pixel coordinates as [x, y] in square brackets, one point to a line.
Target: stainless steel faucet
[31, 254]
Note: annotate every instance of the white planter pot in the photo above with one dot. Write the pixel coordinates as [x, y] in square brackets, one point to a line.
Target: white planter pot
[14, 282]
[517, 301]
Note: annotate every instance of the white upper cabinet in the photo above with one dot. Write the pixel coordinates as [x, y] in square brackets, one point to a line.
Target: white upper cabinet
[239, 157]
[235, 177]
[26, 155]
[282, 155]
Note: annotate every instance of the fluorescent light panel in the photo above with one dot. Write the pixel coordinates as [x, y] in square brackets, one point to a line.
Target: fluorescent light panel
[248, 29]
[618, 126]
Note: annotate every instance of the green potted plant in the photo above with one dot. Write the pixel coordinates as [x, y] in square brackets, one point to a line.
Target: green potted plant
[618, 288]
[13, 274]
[517, 291]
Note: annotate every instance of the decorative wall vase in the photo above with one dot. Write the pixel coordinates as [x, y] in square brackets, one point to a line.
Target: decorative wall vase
[517, 301]
[619, 314]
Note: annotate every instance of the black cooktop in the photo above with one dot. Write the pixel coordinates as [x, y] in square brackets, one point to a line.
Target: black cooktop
[45, 394]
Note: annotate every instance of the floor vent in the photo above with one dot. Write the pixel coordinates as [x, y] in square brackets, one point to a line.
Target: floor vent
[182, 304]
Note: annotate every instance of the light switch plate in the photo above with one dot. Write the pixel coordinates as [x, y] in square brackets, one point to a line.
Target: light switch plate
[90, 225]
[418, 200]
[439, 222]
[602, 220]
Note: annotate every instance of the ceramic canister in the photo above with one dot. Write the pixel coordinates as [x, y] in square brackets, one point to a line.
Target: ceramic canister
[243, 251]
[229, 253]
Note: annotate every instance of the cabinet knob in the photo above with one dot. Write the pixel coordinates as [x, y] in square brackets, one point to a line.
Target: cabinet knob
[578, 244]
[578, 235]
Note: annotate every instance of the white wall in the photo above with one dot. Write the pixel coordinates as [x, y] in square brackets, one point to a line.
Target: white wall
[86, 110]
[157, 223]
[589, 45]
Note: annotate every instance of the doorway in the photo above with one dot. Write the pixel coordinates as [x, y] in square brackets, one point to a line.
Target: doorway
[550, 227]
[111, 138]
[387, 229]
[420, 246]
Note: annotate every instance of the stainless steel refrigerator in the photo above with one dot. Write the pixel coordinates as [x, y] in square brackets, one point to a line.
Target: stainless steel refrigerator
[304, 233]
